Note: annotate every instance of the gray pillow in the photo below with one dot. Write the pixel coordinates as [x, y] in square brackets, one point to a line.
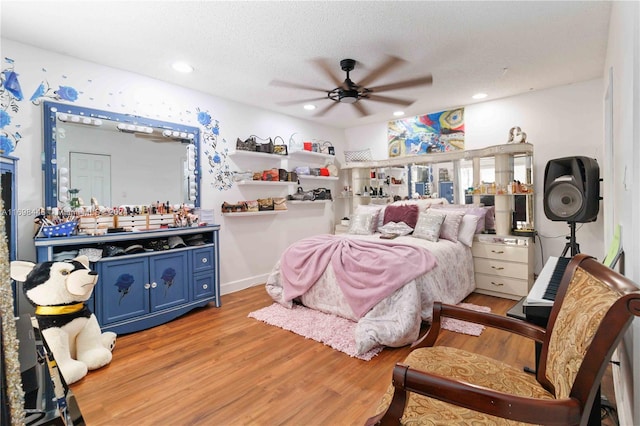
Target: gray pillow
[428, 226]
[363, 223]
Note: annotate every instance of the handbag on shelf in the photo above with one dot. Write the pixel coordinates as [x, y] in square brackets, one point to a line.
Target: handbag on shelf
[314, 171]
[240, 206]
[324, 171]
[327, 148]
[315, 147]
[280, 149]
[280, 203]
[252, 206]
[295, 143]
[301, 195]
[303, 171]
[283, 175]
[263, 145]
[257, 175]
[240, 176]
[292, 177]
[265, 204]
[322, 194]
[246, 145]
[271, 175]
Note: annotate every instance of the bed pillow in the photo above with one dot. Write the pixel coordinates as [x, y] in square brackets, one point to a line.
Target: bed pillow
[490, 217]
[428, 225]
[468, 229]
[406, 214]
[376, 209]
[399, 228]
[451, 225]
[362, 224]
[467, 209]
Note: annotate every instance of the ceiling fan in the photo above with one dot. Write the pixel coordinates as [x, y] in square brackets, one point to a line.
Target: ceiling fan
[348, 92]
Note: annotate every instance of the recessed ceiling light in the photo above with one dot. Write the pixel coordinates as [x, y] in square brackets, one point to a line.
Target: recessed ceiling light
[479, 96]
[182, 67]
[309, 107]
[398, 113]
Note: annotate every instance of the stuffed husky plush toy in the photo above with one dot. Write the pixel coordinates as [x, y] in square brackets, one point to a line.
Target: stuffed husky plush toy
[58, 290]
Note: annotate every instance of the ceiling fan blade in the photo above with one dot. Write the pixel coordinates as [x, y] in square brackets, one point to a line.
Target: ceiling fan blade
[385, 67]
[420, 81]
[301, 101]
[281, 83]
[361, 109]
[328, 70]
[326, 109]
[389, 100]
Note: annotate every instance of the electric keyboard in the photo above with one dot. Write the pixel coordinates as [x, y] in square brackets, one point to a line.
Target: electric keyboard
[540, 299]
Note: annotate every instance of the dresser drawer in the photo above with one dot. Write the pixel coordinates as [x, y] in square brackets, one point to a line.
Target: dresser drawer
[502, 269]
[511, 253]
[512, 286]
[202, 259]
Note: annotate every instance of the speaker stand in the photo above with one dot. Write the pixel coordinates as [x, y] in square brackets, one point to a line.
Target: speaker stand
[571, 244]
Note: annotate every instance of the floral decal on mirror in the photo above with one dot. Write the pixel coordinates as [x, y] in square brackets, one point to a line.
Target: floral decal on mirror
[216, 156]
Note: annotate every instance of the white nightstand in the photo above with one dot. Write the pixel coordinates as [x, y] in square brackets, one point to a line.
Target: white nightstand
[503, 265]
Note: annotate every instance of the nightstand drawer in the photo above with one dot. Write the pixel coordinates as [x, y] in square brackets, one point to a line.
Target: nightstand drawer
[502, 269]
[511, 253]
[498, 284]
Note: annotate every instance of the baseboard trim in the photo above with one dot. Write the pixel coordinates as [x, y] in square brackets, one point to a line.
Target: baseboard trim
[233, 286]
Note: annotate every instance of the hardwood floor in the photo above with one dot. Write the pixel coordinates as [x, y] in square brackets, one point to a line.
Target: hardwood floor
[216, 366]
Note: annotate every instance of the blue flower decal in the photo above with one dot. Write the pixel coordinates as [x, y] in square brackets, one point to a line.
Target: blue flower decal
[40, 92]
[6, 145]
[216, 158]
[124, 283]
[67, 93]
[168, 276]
[204, 118]
[5, 118]
[12, 84]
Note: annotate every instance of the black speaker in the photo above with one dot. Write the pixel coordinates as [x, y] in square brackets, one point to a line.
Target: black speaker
[572, 189]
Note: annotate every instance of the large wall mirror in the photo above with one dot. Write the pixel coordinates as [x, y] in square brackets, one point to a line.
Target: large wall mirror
[117, 159]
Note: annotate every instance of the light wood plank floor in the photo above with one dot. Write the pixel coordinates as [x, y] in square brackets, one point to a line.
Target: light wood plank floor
[216, 366]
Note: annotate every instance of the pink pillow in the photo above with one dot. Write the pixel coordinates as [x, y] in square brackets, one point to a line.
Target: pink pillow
[490, 218]
[451, 225]
[406, 214]
[470, 209]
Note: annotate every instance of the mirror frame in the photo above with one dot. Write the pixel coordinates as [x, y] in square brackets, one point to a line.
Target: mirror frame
[50, 162]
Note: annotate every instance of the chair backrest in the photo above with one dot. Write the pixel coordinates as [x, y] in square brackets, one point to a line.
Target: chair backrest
[594, 307]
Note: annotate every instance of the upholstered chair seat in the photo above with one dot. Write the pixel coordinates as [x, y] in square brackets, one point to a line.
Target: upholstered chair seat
[439, 385]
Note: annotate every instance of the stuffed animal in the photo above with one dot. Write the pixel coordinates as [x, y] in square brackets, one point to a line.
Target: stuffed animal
[58, 290]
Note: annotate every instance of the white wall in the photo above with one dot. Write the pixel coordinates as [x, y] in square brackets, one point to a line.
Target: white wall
[623, 62]
[559, 122]
[249, 246]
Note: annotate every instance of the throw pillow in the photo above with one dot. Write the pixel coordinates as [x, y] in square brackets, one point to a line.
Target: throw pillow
[377, 210]
[429, 224]
[451, 225]
[362, 224]
[399, 228]
[406, 214]
[468, 229]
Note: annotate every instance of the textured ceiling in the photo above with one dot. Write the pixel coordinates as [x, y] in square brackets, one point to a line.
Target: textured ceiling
[238, 48]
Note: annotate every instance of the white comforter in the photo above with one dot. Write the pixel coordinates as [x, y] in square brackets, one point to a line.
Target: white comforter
[396, 320]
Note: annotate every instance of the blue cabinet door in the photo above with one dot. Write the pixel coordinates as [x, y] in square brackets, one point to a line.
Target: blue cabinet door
[124, 289]
[446, 191]
[170, 280]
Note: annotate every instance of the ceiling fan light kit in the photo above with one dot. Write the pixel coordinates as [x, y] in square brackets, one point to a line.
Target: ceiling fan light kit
[349, 92]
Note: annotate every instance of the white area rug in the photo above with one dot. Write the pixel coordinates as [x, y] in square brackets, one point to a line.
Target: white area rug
[338, 332]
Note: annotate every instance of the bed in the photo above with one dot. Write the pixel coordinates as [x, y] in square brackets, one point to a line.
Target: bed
[395, 320]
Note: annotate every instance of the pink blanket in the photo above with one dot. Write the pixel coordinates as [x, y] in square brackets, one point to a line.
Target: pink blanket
[366, 271]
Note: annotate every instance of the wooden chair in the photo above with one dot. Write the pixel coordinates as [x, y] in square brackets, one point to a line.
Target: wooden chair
[441, 385]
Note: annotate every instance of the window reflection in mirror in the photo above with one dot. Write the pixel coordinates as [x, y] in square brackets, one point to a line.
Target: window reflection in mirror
[117, 159]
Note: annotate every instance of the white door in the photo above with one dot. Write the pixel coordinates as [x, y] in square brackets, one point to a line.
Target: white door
[91, 174]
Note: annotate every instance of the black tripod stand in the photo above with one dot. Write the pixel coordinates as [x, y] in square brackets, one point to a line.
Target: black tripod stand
[571, 243]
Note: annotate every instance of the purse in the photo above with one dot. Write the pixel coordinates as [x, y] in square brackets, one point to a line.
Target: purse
[252, 206]
[322, 194]
[283, 175]
[257, 176]
[265, 204]
[327, 148]
[264, 145]
[271, 175]
[280, 149]
[314, 171]
[303, 171]
[247, 145]
[292, 177]
[324, 171]
[301, 195]
[240, 206]
[280, 203]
